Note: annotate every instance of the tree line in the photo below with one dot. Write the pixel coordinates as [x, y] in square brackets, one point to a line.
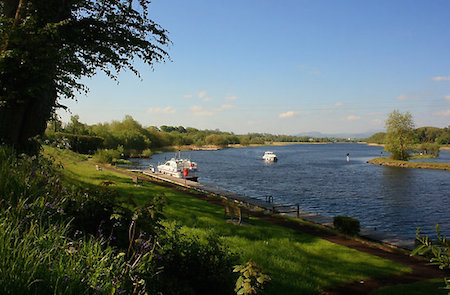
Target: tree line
[136, 139]
[420, 135]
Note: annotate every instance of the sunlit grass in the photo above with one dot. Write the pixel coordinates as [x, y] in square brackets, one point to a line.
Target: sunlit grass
[298, 263]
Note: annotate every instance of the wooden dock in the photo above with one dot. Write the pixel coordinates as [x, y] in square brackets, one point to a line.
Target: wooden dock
[291, 210]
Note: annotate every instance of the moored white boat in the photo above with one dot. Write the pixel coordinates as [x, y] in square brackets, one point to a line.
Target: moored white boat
[270, 157]
[180, 168]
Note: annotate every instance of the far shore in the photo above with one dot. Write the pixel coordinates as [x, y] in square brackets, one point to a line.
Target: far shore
[219, 147]
[442, 147]
[405, 164]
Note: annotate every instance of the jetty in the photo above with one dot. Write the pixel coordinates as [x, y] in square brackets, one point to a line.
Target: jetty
[291, 210]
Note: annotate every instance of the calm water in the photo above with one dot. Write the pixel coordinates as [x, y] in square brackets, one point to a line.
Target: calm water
[320, 179]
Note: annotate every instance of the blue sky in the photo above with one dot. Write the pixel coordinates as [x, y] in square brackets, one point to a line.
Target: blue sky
[286, 67]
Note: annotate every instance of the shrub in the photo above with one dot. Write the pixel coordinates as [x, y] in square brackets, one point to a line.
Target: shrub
[251, 279]
[37, 250]
[106, 156]
[437, 251]
[429, 148]
[347, 225]
[83, 144]
[193, 266]
[147, 153]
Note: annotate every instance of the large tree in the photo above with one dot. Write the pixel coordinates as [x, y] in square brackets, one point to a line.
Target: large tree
[399, 134]
[46, 46]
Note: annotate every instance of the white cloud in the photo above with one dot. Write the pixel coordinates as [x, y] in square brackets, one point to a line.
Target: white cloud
[200, 111]
[338, 104]
[231, 97]
[158, 110]
[443, 113]
[402, 97]
[187, 96]
[447, 98]
[441, 78]
[287, 114]
[201, 94]
[206, 99]
[352, 118]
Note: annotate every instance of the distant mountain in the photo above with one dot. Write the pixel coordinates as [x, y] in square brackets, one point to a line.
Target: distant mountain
[338, 135]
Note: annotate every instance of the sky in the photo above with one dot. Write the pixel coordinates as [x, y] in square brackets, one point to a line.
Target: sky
[285, 67]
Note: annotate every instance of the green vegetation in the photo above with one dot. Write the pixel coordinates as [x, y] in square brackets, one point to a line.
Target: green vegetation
[405, 164]
[399, 134]
[438, 251]
[429, 287]
[59, 238]
[251, 278]
[296, 262]
[47, 46]
[347, 225]
[137, 140]
[421, 135]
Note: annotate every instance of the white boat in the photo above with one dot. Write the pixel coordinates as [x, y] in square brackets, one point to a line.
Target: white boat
[179, 168]
[269, 157]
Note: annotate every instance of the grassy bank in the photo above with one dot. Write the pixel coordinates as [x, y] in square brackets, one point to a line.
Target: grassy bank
[298, 263]
[405, 164]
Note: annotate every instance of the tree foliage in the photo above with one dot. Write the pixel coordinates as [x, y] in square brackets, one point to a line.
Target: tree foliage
[438, 251]
[399, 134]
[46, 46]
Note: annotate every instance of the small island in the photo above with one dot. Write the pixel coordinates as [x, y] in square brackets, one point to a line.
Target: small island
[406, 164]
[401, 137]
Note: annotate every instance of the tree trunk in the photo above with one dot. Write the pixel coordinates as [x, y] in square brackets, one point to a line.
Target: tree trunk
[21, 122]
[27, 91]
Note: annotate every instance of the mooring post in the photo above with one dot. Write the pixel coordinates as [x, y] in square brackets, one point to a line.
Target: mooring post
[298, 210]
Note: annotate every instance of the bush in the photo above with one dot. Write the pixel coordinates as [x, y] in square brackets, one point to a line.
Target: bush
[147, 153]
[438, 251]
[429, 148]
[83, 144]
[106, 156]
[251, 279]
[347, 225]
[193, 266]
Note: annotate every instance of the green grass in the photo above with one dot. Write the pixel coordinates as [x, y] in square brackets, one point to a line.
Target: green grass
[297, 263]
[429, 287]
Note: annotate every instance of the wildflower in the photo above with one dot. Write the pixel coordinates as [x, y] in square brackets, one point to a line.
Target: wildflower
[71, 250]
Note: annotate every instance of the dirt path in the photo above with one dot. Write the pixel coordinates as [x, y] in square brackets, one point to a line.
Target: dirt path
[420, 269]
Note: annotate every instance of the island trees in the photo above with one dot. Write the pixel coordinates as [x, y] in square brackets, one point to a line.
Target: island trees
[46, 46]
[399, 134]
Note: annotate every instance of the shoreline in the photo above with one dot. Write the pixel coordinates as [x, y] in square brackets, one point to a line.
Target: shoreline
[405, 164]
[370, 234]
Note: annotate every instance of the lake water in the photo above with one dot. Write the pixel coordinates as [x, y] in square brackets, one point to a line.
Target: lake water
[319, 178]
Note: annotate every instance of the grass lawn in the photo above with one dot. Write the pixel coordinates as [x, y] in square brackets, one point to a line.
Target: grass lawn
[297, 263]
